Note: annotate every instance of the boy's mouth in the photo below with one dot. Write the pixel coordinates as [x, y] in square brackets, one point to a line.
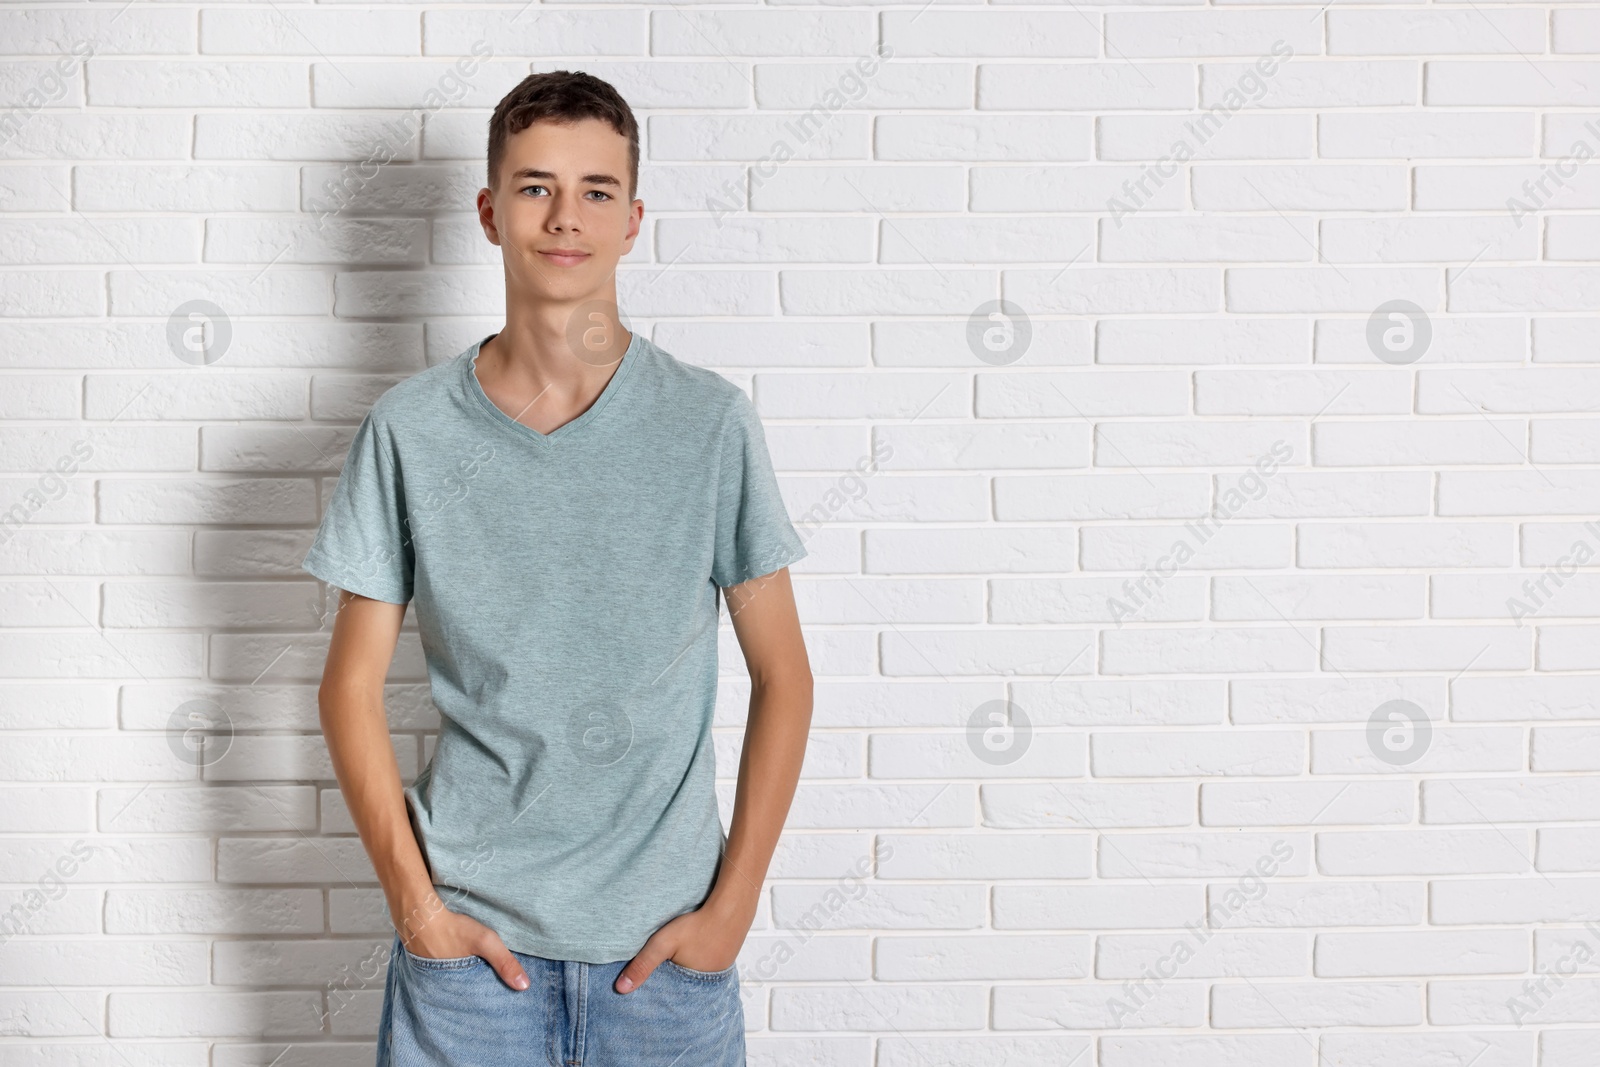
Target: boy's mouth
[564, 257]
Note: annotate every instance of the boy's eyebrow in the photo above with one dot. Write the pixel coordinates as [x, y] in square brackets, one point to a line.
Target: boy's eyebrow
[587, 179]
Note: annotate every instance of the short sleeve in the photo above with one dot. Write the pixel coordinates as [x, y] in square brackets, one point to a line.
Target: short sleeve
[364, 542]
[754, 535]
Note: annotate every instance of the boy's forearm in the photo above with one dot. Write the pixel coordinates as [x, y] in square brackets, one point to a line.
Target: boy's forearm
[769, 771]
[357, 733]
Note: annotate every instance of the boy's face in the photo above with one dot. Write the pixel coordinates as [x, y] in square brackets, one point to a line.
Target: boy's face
[563, 188]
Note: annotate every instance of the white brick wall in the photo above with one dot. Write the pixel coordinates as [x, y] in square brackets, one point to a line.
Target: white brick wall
[1201, 853]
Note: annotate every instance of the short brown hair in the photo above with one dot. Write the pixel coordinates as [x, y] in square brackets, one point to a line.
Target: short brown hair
[562, 96]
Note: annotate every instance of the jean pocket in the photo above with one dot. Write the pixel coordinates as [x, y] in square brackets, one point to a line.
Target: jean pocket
[452, 963]
[703, 976]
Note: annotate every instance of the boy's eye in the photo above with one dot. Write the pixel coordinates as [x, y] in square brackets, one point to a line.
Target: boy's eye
[591, 192]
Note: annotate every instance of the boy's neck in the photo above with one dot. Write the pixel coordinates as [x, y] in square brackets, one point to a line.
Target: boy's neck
[538, 382]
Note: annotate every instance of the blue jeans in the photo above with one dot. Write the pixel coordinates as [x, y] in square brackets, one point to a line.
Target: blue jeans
[458, 1013]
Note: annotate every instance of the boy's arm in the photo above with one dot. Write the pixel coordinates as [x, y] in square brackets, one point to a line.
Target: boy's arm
[767, 625]
[768, 628]
[350, 701]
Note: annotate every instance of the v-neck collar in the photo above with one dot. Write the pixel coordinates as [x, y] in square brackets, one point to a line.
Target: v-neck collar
[469, 360]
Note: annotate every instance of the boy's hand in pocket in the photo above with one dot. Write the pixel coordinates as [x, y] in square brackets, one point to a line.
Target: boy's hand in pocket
[435, 932]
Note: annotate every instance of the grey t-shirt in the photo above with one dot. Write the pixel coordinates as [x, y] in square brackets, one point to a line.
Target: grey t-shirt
[566, 594]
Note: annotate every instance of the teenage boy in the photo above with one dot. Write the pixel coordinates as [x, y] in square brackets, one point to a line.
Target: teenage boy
[563, 502]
